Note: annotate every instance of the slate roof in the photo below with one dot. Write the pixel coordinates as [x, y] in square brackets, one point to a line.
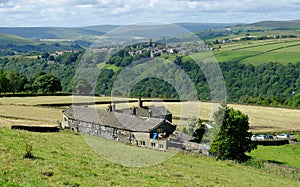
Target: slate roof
[113, 119]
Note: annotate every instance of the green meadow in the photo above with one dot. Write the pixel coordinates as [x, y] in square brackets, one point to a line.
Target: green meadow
[260, 51]
[285, 154]
[65, 159]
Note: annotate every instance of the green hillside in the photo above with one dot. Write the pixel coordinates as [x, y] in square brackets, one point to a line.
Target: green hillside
[64, 159]
[261, 51]
[50, 32]
[269, 25]
[10, 38]
[277, 24]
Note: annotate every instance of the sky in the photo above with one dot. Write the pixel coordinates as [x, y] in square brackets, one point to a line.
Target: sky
[76, 13]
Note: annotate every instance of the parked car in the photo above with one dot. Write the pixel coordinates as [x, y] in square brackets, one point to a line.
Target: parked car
[261, 137]
[253, 137]
[283, 136]
[269, 136]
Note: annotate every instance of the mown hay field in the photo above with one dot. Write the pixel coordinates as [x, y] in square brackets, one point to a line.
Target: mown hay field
[40, 100]
[28, 110]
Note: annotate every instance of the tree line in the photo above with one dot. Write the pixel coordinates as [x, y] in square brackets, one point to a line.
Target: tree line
[41, 83]
[270, 84]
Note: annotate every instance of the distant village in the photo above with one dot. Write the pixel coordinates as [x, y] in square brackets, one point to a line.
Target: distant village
[156, 49]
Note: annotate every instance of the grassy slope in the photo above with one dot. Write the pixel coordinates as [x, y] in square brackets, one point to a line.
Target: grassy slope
[13, 39]
[286, 154]
[64, 159]
[257, 52]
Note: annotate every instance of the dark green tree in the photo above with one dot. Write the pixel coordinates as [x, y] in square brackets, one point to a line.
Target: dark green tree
[45, 55]
[46, 83]
[233, 139]
[16, 81]
[4, 82]
[199, 131]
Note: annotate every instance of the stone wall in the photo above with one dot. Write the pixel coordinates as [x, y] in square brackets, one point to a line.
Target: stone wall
[96, 130]
[136, 138]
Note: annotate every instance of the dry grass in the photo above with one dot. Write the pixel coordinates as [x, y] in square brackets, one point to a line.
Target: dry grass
[28, 115]
[269, 119]
[49, 100]
[262, 119]
[6, 122]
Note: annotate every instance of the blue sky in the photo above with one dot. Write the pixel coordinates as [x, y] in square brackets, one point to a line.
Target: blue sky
[75, 13]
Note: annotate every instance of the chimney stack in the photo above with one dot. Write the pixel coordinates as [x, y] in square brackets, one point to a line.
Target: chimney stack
[113, 106]
[140, 103]
[149, 113]
[133, 111]
[109, 108]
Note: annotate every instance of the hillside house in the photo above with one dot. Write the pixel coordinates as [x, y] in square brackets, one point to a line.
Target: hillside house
[142, 126]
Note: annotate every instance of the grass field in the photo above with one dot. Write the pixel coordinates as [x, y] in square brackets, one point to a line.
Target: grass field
[260, 51]
[286, 154]
[39, 100]
[27, 111]
[64, 159]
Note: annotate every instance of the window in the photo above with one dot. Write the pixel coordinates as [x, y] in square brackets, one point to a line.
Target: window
[152, 144]
[142, 143]
[161, 146]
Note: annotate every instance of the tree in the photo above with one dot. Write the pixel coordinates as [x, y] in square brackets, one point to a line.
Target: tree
[45, 55]
[196, 128]
[199, 131]
[80, 85]
[16, 81]
[233, 139]
[4, 82]
[46, 83]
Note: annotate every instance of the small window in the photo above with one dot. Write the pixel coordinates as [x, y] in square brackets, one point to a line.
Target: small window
[152, 144]
[142, 143]
[161, 146]
[65, 119]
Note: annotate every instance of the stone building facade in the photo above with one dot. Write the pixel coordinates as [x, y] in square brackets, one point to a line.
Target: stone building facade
[128, 126]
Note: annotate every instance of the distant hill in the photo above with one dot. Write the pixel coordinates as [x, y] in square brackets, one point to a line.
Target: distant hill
[193, 27]
[270, 25]
[10, 38]
[88, 31]
[49, 32]
[277, 24]
[101, 28]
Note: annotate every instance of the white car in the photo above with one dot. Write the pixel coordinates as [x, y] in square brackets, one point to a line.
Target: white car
[283, 136]
[253, 137]
[259, 137]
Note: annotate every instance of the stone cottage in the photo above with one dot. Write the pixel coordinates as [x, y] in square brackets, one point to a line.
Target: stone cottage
[142, 126]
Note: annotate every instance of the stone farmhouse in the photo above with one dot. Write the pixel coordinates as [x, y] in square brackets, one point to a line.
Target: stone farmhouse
[146, 126]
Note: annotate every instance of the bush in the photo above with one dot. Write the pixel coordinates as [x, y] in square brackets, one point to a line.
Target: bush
[28, 152]
[271, 142]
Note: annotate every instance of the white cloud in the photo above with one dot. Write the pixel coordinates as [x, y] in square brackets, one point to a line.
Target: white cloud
[93, 12]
